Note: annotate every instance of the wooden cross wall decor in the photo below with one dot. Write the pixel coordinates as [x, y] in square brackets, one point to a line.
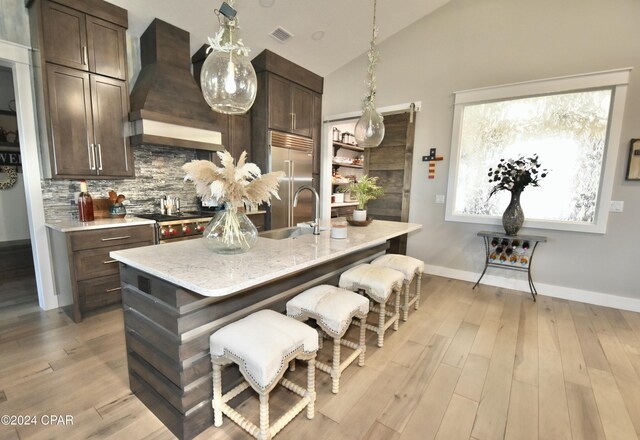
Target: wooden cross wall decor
[432, 158]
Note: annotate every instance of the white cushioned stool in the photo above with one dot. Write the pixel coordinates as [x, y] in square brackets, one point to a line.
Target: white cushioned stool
[333, 309]
[379, 283]
[262, 345]
[409, 267]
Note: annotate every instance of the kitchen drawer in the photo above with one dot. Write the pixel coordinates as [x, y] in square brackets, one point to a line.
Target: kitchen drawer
[100, 238]
[99, 292]
[92, 263]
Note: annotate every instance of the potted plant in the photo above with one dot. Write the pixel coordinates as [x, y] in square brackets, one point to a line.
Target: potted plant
[514, 175]
[364, 190]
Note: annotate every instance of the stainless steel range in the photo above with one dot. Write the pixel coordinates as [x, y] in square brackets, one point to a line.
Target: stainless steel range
[183, 226]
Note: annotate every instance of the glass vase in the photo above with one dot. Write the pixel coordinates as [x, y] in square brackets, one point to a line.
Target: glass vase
[230, 232]
[513, 217]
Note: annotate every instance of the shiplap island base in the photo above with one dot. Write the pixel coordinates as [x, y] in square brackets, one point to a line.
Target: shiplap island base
[176, 295]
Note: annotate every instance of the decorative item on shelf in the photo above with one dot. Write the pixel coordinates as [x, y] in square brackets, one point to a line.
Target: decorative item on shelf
[514, 175]
[369, 130]
[228, 79]
[235, 186]
[337, 136]
[117, 208]
[364, 190]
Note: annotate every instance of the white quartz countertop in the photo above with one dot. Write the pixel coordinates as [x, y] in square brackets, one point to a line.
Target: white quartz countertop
[193, 266]
[70, 225]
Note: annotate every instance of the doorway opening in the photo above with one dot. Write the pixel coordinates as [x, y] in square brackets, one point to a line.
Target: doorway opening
[18, 289]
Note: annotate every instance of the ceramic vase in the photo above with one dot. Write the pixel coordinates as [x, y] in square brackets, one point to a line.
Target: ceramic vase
[513, 217]
[359, 215]
[230, 232]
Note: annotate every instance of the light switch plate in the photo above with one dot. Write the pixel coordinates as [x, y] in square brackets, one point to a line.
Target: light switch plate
[440, 199]
[616, 206]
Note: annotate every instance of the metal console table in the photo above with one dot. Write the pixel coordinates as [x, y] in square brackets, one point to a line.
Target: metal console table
[513, 252]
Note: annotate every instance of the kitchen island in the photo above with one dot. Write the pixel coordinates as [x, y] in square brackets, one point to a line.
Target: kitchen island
[176, 295]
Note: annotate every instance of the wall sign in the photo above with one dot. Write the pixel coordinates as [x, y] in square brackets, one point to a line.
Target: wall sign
[10, 158]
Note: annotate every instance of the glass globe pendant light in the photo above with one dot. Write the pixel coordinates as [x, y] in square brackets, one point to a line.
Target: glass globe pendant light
[369, 130]
[228, 79]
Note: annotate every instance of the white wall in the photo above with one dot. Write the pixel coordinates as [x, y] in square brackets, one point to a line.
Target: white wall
[14, 224]
[469, 44]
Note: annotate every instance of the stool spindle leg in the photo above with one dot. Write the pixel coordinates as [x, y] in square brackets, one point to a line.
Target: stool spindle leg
[264, 417]
[381, 322]
[311, 387]
[335, 370]
[217, 395]
[397, 309]
[418, 290]
[363, 346]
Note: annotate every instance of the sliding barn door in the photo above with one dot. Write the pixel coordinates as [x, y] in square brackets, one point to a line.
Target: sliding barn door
[391, 162]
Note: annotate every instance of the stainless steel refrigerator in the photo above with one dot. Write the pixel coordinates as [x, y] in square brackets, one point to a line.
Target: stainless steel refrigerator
[293, 155]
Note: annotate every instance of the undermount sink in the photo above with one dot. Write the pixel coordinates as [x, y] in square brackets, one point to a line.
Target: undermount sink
[282, 233]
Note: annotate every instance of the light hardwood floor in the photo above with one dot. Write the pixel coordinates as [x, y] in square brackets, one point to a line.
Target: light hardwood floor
[483, 364]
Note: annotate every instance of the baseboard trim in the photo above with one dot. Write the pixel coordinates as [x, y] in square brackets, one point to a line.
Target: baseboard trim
[585, 296]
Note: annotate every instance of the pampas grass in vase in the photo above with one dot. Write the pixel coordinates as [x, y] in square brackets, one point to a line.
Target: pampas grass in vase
[236, 186]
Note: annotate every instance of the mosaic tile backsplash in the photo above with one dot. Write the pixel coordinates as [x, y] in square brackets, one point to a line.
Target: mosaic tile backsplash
[158, 173]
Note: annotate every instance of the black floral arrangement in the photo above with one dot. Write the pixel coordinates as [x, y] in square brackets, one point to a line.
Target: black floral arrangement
[515, 175]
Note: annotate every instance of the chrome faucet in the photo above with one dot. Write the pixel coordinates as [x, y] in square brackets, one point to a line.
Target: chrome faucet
[316, 225]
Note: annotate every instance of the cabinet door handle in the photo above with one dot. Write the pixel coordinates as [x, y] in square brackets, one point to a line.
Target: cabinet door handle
[85, 55]
[99, 157]
[109, 261]
[295, 122]
[291, 115]
[116, 238]
[92, 156]
[115, 289]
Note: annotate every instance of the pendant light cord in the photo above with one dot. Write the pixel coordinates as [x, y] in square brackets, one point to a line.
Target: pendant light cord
[370, 95]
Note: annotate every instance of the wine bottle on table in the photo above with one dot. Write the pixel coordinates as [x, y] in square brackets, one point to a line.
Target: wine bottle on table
[85, 203]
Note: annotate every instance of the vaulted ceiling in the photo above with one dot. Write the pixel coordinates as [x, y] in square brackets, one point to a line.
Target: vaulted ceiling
[345, 25]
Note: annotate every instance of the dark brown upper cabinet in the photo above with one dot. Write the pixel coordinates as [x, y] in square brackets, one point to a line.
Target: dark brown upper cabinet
[81, 88]
[289, 99]
[291, 106]
[88, 118]
[84, 42]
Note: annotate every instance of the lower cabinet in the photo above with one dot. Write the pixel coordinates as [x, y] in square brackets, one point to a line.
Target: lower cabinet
[86, 277]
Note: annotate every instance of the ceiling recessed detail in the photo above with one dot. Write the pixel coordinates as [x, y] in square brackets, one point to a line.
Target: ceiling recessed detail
[267, 3]
[281, 34]
[317, 35]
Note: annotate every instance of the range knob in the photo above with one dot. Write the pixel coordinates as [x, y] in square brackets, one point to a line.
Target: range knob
[164, 232]
[172, 231]
[200, 228]
[186, 229]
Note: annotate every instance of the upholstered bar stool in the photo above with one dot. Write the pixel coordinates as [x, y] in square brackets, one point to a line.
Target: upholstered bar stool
[333, 310]
[410, 268]
[378, 283]
[262, 345]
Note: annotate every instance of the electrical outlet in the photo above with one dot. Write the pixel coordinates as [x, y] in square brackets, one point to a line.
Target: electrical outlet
[440, 199]
[616, 206]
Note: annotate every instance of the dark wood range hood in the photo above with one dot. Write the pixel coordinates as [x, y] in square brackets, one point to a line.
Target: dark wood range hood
[167, 106]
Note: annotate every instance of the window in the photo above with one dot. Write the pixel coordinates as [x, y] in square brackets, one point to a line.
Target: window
[571, 123]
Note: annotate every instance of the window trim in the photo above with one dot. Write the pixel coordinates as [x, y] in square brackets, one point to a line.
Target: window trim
[617, 79]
